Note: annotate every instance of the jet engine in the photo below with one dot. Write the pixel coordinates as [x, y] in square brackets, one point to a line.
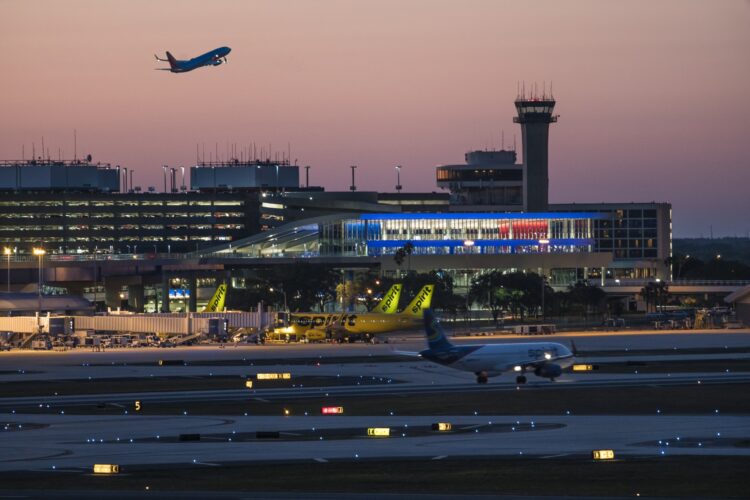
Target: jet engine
[549, 370]
[217, 62]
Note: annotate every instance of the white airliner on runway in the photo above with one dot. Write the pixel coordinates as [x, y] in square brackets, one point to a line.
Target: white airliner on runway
[544, 359]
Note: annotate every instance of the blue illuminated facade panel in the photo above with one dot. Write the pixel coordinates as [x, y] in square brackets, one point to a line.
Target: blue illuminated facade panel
[459, 233]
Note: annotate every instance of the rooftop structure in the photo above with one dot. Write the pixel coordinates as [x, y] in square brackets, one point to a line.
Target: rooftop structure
[58, 176]
[247, 175]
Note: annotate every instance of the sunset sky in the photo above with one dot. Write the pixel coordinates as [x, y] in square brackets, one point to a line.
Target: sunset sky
[653, 96]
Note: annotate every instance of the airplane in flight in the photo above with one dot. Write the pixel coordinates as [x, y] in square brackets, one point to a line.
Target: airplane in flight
[544, 359]
[213, 58]
[318, 326]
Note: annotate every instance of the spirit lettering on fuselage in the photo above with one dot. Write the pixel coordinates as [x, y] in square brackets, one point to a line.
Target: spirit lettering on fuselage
[323, 320]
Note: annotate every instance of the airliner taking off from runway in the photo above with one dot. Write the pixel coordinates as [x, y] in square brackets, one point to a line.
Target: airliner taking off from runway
[545, 359]
[213, 58]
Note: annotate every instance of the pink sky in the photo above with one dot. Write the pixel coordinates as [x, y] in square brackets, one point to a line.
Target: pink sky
[653, 95]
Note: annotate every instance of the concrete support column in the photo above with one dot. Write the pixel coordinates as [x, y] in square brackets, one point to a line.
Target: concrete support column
[193, 290]
[164, 293]
[112, 295]
[136, 298]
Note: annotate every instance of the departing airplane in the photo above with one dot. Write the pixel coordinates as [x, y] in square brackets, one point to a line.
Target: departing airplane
[389, 303]
[213, 58]
[545, 359]
[216, 304]
[317, 326]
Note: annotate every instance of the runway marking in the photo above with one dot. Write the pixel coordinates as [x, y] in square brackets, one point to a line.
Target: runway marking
[210, 464]
[558, 455]
[261, 400]
[439, 457]
[321, 460]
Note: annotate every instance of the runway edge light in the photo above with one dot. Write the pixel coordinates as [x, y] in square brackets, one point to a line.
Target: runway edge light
[106, 469]
[379, 431]
[603, 454]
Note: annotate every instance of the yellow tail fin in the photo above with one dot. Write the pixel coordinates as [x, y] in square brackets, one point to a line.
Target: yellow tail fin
[421, 302]
[216, 304]
[389, 303]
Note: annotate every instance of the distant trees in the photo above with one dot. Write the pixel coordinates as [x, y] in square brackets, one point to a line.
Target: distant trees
[655, 293]
[521, 294]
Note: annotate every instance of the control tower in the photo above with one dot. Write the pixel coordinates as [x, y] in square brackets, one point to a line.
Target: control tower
[534, 116]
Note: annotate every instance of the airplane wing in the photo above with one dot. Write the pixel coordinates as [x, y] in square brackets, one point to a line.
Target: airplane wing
[411, 354]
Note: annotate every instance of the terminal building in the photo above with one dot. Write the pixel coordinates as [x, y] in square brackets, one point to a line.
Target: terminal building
[492, 213]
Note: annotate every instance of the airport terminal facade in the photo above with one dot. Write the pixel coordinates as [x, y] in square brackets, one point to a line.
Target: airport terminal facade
[493, 213]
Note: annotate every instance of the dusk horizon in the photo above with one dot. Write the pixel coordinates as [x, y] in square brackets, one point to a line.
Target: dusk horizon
[650, 96]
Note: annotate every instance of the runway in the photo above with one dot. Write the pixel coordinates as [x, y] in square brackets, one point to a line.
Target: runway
[81, 441]
[61, 441]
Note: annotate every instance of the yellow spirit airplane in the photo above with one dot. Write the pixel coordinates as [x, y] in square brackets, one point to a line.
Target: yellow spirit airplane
[216, 304]
[318, 326]
[389, 303]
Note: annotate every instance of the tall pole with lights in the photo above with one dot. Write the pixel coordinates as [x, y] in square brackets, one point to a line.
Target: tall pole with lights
[39, 252]
[7, 255]
[398, 178]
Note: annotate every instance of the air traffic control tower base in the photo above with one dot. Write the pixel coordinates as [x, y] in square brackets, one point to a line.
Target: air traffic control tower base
[534, 116]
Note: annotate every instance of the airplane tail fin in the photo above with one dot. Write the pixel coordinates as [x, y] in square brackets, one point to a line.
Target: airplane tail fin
[389, 303]
[172, 60]
[436, 339]
[216, 304]
[421, 302]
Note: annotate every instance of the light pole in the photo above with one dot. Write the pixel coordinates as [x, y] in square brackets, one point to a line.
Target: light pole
[353, 187]
[467, 245]
[39, 252]
[284, 293]
[398, 179]
[7, 254]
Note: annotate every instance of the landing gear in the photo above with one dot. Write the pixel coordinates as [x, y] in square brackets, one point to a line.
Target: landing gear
[482, 378]
[521, 379]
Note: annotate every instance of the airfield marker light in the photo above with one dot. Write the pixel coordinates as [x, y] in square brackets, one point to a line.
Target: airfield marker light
[286, 412]
[379, 431]
[332, 410]
[583, 368]
[603, 454]
[249, 384]
[106, 469]
[442, 426]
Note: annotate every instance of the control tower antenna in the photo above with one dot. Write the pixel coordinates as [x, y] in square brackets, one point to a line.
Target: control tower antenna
[535, 115]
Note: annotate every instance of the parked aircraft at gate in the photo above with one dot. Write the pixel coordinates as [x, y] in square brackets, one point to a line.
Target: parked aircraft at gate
[213, 58]
[316, 326]
[544, 359]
